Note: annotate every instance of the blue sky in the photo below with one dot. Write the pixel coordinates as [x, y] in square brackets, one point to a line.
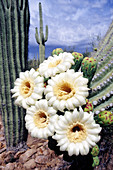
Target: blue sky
[70, 22]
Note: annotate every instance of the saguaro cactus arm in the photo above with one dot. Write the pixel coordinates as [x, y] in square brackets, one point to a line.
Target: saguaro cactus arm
[46, 33]
[36, 36]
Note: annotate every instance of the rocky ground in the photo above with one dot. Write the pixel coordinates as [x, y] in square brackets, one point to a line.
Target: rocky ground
[39, 156]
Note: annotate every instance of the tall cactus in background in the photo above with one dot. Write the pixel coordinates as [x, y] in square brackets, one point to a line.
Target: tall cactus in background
[14, 28]
[41, 40]
[102, 83]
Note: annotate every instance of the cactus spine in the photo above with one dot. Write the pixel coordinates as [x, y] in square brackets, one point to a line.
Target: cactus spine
[41, 40]
[14, 27]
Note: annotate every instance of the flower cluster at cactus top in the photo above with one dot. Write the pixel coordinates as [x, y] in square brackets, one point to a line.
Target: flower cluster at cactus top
[54, 97]
[56, 64]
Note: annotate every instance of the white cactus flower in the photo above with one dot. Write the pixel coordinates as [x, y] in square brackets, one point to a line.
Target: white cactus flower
[28, 88]
[76, 132]
[67, 90]
[40, 119]
[56, 64]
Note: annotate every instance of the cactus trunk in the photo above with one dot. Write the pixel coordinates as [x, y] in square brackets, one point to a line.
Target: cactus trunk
[42, 52]
[13, 58]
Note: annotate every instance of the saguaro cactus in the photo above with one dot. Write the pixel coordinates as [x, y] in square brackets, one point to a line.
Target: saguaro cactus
[41, 41]
[14, 27]
[102, 82]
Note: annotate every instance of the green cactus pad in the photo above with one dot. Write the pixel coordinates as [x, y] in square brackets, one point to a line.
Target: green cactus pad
[95, 161]
[95, 151]
[57, 51]
[78, 57]
[88, 67]
[105, 118]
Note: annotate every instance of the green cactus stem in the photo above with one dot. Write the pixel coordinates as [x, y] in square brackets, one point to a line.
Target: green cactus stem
[78, 57]
[95, 150]
[41, 40]
[57, 51]
[88, 67]
[14, 27]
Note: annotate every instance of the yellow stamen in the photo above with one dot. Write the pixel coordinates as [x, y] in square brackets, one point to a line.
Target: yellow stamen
[64, 90]
[26, 88]
[41, 119]
[54, 64]
[76, 132]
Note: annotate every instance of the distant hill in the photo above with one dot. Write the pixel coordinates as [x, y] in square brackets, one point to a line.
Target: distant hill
[34, 50]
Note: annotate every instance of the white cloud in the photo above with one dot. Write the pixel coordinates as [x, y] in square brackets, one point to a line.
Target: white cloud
[79, 13]
[99, 29]
[69, 21]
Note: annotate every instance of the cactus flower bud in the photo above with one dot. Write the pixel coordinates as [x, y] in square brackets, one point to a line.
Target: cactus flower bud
[89, 106]
[78, 57]
[105, 118]
[95, 151]
[37, 69]
[88, 67]
[95, 49]
[95, 161]
[57, 51]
